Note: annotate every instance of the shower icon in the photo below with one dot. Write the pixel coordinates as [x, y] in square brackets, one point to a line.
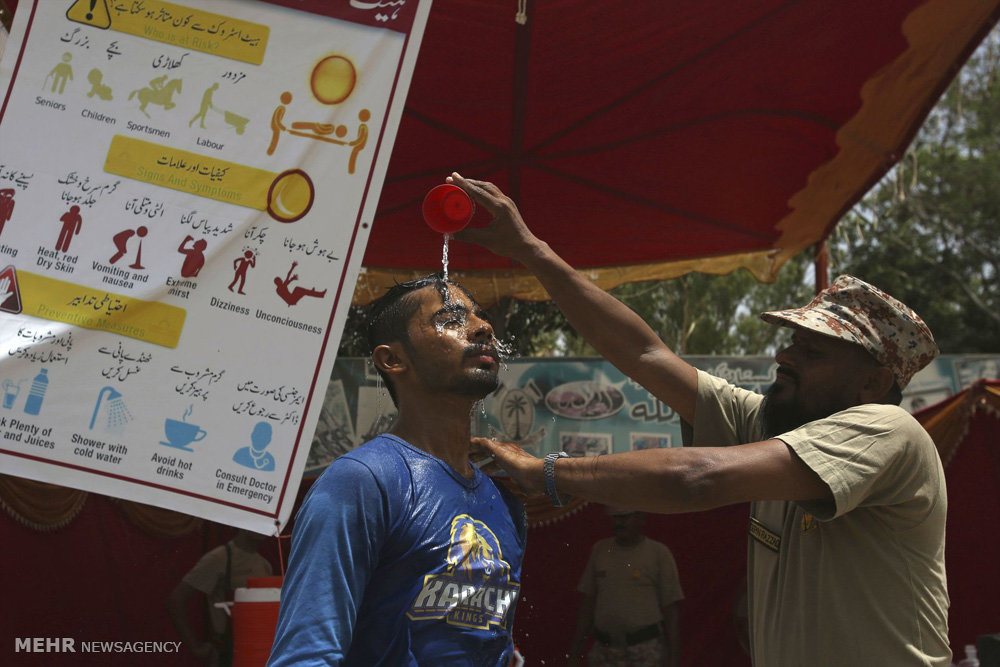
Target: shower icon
[116, 412]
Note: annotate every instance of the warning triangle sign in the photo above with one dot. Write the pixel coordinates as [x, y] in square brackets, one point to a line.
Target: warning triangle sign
[90, 12]
[10, 294]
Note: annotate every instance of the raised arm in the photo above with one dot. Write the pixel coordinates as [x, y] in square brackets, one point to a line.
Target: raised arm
[615, 331]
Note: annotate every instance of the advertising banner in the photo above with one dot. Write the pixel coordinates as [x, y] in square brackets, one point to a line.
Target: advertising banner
[186, 191]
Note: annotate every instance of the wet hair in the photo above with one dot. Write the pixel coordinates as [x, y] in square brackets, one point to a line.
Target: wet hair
[392, 312]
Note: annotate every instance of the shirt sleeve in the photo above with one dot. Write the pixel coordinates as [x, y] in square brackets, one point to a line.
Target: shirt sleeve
[862, 454]
[207, 572]
[724, 414]
[336, 542]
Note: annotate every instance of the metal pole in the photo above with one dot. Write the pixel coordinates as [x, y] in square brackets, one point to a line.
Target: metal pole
[821, 262]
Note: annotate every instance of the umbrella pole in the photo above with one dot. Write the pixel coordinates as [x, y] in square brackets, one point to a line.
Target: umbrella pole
[821, 262]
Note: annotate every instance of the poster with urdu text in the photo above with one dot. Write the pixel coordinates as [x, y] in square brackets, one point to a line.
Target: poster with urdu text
[186, 190]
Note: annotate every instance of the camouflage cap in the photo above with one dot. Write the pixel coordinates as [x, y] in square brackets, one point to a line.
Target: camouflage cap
[853, 310]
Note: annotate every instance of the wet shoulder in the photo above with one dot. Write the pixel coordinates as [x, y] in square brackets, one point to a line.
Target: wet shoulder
[383, 458]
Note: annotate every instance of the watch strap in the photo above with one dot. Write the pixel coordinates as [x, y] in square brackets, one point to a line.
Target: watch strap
[549, 472]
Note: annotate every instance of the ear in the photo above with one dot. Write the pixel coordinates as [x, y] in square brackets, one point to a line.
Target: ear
[390, 359]
[876, 384]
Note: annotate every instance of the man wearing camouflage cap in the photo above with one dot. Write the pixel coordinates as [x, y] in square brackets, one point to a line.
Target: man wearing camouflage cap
[846, 548]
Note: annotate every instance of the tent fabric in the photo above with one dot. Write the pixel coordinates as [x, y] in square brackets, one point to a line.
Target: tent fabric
[973, 475]
[40, 505]
[649, 140]
[948, 422]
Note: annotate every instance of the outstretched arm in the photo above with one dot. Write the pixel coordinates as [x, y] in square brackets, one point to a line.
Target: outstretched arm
[615, 331]
[670, 480]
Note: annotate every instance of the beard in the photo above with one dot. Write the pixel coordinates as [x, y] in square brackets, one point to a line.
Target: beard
[781, 416]
[477, 383]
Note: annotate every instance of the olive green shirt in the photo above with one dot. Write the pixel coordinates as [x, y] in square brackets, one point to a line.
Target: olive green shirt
[859, 580]
[631, 585]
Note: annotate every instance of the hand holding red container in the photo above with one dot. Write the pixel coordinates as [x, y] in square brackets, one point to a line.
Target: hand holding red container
[447, 209]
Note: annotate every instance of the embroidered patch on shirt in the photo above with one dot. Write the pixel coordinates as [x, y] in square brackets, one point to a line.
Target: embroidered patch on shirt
[768, 538]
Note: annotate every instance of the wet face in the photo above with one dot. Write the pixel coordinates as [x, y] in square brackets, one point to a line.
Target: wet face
[451, 345]
[817, 376]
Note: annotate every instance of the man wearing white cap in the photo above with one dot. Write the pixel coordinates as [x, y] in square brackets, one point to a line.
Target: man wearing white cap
[846, 549]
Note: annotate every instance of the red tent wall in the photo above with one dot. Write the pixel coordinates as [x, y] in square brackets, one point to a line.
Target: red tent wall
[710, 550]
[973, 551]
[101, 578]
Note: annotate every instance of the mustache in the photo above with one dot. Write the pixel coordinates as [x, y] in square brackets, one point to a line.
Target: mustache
[788, 372]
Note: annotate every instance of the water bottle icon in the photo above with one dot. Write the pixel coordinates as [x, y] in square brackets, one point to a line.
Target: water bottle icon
[37, 393]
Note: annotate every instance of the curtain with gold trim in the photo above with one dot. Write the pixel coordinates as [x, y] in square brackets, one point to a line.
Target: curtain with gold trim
[39, 505]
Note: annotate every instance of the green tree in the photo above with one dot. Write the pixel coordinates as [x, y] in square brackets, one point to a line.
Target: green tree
[928, 233]
[693, 314]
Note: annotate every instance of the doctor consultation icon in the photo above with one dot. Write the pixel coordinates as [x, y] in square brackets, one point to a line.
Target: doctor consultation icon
[256, 456]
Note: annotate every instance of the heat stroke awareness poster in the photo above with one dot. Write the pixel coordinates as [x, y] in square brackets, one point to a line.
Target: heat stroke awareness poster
[185, 196]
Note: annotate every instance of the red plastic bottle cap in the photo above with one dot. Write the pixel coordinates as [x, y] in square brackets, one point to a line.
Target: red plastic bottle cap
[447, 208]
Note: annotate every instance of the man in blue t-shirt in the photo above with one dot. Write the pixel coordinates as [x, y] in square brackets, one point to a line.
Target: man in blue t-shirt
[404, 553]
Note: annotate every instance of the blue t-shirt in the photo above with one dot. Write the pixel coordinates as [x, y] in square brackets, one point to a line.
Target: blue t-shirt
[398, 560]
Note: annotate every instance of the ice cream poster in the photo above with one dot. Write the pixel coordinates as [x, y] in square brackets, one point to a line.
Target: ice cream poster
[185, 196]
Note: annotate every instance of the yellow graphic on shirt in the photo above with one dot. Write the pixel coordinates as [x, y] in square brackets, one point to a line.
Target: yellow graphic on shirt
[809, 523]
[475, 590]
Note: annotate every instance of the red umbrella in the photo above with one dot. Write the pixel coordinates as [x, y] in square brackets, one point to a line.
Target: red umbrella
[647, 139]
